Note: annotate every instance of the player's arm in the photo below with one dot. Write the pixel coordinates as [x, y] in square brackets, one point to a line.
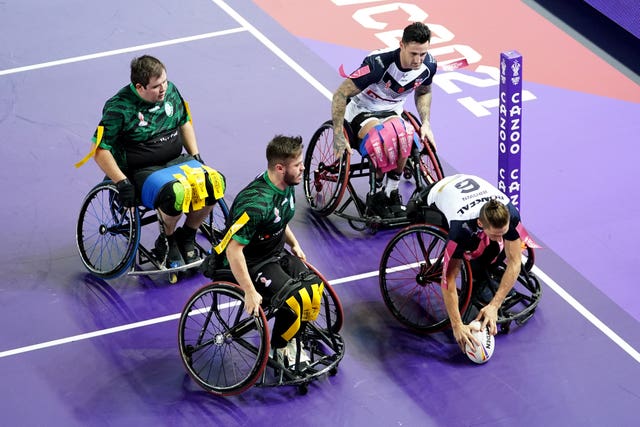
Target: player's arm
[423, 105]
[189, 138]
[338, 106]
[105, 160]
[461, 332]
[238, 264]
[489, 313]
[290, 239]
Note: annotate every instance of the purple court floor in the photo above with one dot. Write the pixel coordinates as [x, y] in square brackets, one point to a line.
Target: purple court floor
[79, 351]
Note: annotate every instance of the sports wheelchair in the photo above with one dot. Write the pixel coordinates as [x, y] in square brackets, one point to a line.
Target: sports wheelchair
[109, 235]
[326, 178]
[410, 281]
[226, 351]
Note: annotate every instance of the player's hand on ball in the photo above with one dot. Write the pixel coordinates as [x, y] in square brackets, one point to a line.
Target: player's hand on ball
[482, 352]
[463, 335]
[489, 316]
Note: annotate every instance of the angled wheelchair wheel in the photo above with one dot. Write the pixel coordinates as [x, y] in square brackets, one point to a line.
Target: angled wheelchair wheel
[224, 349]
[214, 225]
[107, 233]
[523, 299]
[425, 161]
[325, 176]
[410, 278]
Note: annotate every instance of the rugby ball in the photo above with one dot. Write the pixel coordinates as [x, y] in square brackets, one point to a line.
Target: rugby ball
[484, 351]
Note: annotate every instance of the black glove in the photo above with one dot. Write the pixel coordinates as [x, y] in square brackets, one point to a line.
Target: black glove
[127, 193]
[198, 158]
[210, 264]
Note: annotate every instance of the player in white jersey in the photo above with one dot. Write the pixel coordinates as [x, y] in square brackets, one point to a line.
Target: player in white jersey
[482, 223]
[371, 100]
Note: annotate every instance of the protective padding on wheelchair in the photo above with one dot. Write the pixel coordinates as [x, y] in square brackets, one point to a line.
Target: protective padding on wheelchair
[410, 278]
[226, 351]
[325, 176]
[107, 233]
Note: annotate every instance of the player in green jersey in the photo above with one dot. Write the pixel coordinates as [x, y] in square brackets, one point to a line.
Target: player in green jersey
[140, 141]
[255, 246]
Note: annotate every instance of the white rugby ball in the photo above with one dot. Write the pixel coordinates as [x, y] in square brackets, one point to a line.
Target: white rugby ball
[484, 351]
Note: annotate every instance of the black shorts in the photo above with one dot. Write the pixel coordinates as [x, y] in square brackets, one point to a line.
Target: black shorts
[269, 277]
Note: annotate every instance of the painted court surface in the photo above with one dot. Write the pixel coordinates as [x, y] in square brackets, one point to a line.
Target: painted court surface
[76, 350]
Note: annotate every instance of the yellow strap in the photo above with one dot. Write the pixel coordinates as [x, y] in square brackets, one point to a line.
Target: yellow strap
[244, 218]
[186, 107]
[187, 191]
[289, 333]
[196, 179]
[99, 133]
[317, 290]
[216, 181]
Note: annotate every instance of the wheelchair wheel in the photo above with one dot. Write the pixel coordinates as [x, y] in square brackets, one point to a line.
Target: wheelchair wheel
[107, 233]
[325, 177]
[214, 226]
[428, 163]
[224, 349]
[410, 278]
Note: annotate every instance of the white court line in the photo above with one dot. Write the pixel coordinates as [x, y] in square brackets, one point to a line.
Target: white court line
[315, 83]
[275, 49]
[120, 51]
[546, 279]
[586, 313]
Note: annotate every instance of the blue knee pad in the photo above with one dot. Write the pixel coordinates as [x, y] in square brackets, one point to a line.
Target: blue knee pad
[163, 190]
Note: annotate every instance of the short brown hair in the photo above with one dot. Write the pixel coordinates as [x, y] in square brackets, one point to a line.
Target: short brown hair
[144, 68]
[282, 149]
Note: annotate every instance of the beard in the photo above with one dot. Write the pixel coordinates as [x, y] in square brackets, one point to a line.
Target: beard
[291, 179]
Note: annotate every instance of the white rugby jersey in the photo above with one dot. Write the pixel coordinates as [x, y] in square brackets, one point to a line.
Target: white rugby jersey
[385, 85]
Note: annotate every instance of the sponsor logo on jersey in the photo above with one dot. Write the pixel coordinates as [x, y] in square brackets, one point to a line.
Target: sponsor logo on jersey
[276, 212]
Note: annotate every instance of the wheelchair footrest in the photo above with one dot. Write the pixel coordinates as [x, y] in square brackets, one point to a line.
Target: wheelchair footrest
[184, 267]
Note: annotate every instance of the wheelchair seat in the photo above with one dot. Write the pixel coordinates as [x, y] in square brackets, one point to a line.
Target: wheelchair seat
[226, 351]
[327, 178]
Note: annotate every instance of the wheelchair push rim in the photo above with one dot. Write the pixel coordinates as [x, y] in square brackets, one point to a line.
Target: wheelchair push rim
[107, 233]
[325, 176]
[410, 277]
[223, 348]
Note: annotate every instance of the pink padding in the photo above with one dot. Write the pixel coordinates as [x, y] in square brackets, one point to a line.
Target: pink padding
[390, 144]
[373, 145]
[404, 133]
[384, 141]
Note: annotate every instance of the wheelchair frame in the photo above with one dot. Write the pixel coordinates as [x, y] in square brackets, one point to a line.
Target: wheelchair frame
[108, 235]
[226, 351]
[410, 276]
[327, 178]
